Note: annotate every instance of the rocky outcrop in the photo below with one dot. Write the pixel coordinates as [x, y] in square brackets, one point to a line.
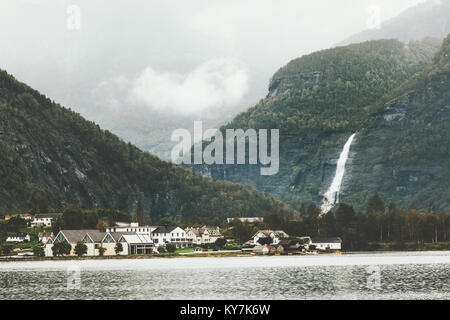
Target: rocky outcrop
[401, 148]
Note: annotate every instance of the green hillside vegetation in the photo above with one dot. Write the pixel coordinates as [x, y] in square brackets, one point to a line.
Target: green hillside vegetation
[48, 150]
[394, 95]
[330, 90]
[428, 139]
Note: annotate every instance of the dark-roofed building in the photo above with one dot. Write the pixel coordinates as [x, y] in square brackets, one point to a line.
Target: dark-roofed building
[274, 237]
[170, 234]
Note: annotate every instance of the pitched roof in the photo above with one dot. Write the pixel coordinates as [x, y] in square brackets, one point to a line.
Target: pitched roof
[137, 239]
[193, 230]
[96, 236]
[74, 236]
[44, 234]
[278, 233]
[116, 235]
[213, 231]
[164, 229]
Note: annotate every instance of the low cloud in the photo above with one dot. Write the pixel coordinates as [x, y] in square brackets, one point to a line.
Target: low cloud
[211, 86]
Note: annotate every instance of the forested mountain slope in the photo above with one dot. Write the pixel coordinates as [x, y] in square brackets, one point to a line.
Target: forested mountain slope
[318, 101]
[48, 150]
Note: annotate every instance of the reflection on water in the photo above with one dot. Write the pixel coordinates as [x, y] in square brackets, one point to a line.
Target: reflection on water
[401, 276]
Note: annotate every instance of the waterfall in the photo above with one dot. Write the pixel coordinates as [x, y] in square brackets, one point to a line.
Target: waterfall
[331, 197]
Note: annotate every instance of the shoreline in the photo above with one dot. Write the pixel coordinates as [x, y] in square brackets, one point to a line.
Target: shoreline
[204, 255]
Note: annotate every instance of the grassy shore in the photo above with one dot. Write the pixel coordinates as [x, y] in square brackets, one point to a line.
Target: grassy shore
[409, 246]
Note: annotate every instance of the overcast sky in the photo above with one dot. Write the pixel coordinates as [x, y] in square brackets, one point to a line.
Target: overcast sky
[186, 58]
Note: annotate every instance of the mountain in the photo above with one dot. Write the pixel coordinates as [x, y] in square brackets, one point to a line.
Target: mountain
[386, 92]
[48, 150]
[428, 19]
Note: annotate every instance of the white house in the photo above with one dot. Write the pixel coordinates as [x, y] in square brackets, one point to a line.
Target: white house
[44, 236]
[132, 227]
[275, 236]
[44, 219]
[18, 238]
[326, 243]
[261, 249]
[48, 247]
[203, 235]
[170, 234]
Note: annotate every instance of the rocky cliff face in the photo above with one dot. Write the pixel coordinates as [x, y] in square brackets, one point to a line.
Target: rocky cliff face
[401, 148]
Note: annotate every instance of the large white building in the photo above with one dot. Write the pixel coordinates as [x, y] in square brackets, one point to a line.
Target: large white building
[132, 243]
[170, 234]
[132, 227]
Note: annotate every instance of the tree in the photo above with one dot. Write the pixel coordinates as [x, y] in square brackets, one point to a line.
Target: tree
[118, 248]
[242, 232]
[15, 224]
[90, 219]
[170, 247]
[166, 222]
[101, 251]
[139, 217]
[162, 249]
[38, 251]
[220, 243]
[57, 225]
[3, 232]
[303, 211]
[266, 240]
[72, 217]
[6, 249]
[375, 205]
[61, 248]
[43, 204]
[80, 248]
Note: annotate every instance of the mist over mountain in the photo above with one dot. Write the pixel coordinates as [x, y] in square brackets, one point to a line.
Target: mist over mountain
[394, 95]
[428, 19]
[50, 151]
[142, 69]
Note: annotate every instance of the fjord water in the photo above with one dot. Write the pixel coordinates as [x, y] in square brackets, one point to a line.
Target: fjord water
[402, 275]
[331, 197]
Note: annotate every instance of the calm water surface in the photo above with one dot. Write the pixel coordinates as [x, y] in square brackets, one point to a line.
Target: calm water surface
[400, 275]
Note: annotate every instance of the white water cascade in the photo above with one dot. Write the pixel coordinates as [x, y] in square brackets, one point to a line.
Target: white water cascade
[331, 197]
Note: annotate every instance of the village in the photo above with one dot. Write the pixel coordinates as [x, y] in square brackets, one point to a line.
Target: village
[130, 239]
